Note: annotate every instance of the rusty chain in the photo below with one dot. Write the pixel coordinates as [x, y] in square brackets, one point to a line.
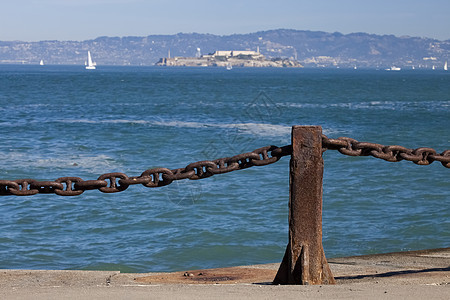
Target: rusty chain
[393, 153]
[157, 177]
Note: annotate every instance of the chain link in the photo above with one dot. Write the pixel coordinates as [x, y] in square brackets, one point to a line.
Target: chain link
[158, 177]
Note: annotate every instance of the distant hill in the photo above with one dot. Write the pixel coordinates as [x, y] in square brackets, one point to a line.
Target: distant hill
[310, 48]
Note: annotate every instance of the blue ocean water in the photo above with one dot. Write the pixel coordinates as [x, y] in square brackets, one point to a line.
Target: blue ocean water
[60, 121]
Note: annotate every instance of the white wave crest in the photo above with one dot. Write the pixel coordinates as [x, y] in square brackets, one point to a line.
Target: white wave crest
[92, 163]
[259, 129]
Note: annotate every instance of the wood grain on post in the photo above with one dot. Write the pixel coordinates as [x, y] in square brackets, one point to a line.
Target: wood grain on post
[304, 261]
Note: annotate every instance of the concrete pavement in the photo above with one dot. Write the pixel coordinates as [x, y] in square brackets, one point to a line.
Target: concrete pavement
[404, 275]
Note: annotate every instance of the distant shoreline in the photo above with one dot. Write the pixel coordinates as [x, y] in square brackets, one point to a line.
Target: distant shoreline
[156, 66]
[309, 48]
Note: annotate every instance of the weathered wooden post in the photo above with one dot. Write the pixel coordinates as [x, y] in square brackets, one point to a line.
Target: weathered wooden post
[304, 261]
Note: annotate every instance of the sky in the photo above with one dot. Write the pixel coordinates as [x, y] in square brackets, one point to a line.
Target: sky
[36, 20]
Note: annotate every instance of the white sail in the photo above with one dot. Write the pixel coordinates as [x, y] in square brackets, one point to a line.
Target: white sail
[446, 66]
[90, 65]
[41, 62]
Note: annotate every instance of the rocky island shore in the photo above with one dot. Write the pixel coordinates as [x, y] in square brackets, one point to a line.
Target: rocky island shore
[229, 59]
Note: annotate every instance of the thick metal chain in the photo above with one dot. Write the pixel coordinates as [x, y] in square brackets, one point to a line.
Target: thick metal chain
[157, 177]
[393, 153]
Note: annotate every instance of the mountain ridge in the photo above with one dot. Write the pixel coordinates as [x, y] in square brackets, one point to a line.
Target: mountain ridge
[310, 48]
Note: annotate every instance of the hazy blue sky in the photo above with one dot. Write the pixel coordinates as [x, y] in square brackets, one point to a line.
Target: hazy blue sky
[33, 20]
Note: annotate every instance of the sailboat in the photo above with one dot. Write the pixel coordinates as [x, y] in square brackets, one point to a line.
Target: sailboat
[445, 66]
[41, 62]
[90, 65]
[229, 66]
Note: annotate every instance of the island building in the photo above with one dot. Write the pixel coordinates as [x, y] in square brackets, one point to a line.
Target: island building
[246, 54]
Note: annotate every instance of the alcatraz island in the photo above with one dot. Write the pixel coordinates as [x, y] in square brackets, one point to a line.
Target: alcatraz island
[229, 59]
